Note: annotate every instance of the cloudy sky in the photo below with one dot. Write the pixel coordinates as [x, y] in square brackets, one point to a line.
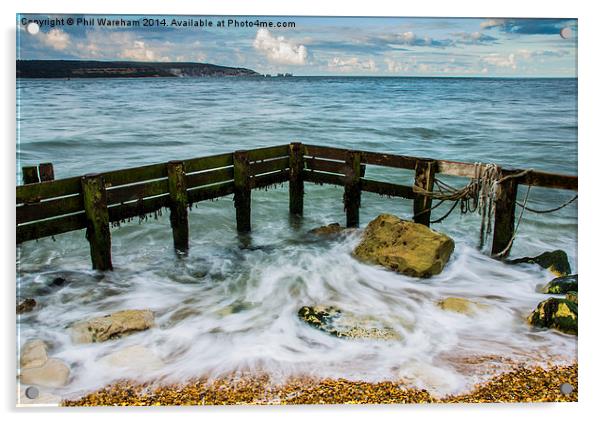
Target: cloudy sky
[324, 45]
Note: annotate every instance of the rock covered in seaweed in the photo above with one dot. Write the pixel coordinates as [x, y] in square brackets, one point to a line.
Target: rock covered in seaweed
[555, 261]
[556, 313]
[26, 305]
[572, 296]
[405, 247]
[332, 320]
[112, 326]
[561, 285]
[328, 230]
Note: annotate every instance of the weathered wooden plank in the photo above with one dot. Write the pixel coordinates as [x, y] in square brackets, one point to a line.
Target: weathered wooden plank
[48, 189]
[208, 162]
[137, 191]
[267, 153]
[46, 171]
[503, 230]
[265, 180]
[210, 192]
[141, 207]
[262, 167]
[388, 189]
[388, 160]
[209, 177]
[424, 179]
[555, 181]
[134, 175]
[353, 190]
[325, 152]
[30, 175]
[242, 191]
[295, 187]
[460, 169]
[50, 227]
[97, 215]
[323, 178]
[178, 205]
[49, 209]
[337, 167]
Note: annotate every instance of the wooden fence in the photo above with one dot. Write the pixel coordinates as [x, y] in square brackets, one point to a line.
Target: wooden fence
[47, 207]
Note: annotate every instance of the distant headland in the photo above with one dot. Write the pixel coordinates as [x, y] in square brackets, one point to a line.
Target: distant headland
[96, 69]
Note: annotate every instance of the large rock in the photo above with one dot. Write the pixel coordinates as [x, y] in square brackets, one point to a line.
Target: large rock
[135, 357]
[112, 326]
[26, 305]
[34, 353]
[341, 324]
[405, 247]
[561, 285]
[54, 373]
[460, 305]
[556, 313]
[555, 261]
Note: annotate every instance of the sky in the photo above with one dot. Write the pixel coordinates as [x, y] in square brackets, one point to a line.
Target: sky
[444, 47]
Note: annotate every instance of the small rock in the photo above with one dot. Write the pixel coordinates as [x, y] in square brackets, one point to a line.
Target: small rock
[341, 324]
[135, 357]
[112, 326]
[34, 353]
[561, 285]
[572, 296]
[556, 313]
[54, 373]
[460, 305]
[328, 230]
[26, 305]
[58, 282]
[555, 261]
[405, 247]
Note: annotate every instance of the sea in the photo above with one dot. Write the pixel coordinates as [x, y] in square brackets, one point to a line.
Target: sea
[230, 307]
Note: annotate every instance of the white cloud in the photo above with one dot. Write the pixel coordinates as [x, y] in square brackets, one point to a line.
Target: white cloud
[122, 45]
[500, 60]
[351, 64]
[278, 49]
[55, 38]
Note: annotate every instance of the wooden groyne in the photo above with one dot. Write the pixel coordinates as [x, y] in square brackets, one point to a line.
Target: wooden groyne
[47, 207]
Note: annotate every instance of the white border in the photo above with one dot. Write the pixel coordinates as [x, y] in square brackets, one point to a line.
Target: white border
[589, 225]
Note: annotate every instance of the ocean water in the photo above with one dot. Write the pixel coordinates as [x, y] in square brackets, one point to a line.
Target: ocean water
[227, 308]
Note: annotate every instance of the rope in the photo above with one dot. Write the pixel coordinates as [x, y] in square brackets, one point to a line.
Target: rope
[565, 204]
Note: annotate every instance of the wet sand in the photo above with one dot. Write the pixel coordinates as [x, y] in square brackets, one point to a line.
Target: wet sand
[521, 384]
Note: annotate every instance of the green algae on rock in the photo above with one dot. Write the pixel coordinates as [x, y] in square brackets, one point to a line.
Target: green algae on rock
[555, 261]
[406, 247]
[336, 322]
[556, 313]
[572, 296]
[561, 285]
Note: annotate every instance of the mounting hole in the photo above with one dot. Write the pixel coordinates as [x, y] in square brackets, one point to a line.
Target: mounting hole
[566, 389]
[566, 33]
[32, 28]
[32, 392]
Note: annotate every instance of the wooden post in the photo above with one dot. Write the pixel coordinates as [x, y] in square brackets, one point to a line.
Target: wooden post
[425, 179]
[242, 191]
[46, 171]
[504, 217]
[30, 175]
[98, 233]
[178, 205]
[353, 188]
[295, 185]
